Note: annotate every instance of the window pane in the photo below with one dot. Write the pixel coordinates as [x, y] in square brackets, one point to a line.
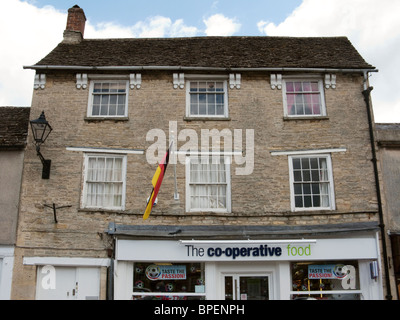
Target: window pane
[289, 87]
[307, 86]
[220, 110]
[315, 188]
[121, 99]
[194, 109]
[202, 86]
[296, 164]
[112, 111]
[96, 110]
[202, 109]
[114, 87]
[305, 163]
[211, 109]
[298, 201]
[194, 99]
[306, 188]
[113, 99]
[314, 86]
[193, 86]
[105, 88]
[97, 87]
[211, 86]
[306, 175]
[316, 201]
[121, 110]
[219, 86]
[297, 176]
[298, 189]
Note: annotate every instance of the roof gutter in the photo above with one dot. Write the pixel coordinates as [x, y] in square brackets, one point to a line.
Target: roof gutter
[183, 68]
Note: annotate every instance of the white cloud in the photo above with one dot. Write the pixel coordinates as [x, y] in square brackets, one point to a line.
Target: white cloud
[27, 34]
[153, 27]
[374, 29]
[219, 25]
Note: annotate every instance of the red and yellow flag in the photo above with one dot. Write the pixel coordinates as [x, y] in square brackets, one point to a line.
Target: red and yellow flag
[156, 182]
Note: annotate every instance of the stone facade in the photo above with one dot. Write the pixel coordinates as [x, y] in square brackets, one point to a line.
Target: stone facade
[388, 142]
[262, 198]
[56, 229]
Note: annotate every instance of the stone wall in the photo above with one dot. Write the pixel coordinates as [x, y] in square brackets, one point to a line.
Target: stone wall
[262, 198]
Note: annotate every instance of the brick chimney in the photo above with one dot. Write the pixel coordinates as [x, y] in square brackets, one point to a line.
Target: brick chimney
[75, 25]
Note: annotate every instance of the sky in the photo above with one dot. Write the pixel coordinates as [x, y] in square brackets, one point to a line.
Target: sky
[30, 29]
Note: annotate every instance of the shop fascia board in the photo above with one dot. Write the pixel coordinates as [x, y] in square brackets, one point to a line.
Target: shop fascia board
[237, 232]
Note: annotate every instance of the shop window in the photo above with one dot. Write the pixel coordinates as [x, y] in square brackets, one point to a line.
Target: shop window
[332, 280]
[168, 281]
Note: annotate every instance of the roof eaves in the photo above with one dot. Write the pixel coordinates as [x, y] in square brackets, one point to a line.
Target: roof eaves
[195, 68]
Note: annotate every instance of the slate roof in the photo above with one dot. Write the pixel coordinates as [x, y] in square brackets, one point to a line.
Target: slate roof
[210, 52]
[14, 125]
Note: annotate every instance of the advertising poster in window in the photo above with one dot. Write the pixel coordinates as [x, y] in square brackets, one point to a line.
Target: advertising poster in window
[329, 271]
[161, 272]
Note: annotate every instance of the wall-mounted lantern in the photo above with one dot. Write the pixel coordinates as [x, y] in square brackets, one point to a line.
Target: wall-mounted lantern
[41, 130]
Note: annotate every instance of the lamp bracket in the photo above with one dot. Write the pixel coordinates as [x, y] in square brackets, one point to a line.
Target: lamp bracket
[46, 164]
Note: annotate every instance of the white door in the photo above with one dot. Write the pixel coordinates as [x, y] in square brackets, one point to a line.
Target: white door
[247, 287]
[67, 283]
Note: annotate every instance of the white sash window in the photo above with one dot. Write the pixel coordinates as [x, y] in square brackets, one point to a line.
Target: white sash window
[208, 184]
[104, 181]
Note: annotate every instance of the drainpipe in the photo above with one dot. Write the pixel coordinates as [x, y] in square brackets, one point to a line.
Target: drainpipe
[366, 93]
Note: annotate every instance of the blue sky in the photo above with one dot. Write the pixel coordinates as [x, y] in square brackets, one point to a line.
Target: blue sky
[30, 29]
[129, 12]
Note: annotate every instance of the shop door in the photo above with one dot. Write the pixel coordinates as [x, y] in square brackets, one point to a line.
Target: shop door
[68, 283]
[246, 287]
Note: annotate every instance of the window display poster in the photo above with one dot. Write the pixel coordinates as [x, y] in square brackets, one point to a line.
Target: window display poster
[328, 271]
[161, 272]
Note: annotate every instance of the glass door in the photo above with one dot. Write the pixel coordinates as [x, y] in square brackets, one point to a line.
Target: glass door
[246, 287]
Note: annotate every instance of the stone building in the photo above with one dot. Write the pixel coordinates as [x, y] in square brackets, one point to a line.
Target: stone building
[13, 134]
[269, 191]
[388, 142]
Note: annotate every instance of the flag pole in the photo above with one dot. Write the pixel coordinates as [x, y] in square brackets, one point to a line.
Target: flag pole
[176, 194]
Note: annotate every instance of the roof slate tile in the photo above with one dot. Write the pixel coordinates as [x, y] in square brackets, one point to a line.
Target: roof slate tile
[211, 52]
[14, 123]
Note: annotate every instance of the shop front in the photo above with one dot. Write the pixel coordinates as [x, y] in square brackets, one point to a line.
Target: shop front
[257, 269]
